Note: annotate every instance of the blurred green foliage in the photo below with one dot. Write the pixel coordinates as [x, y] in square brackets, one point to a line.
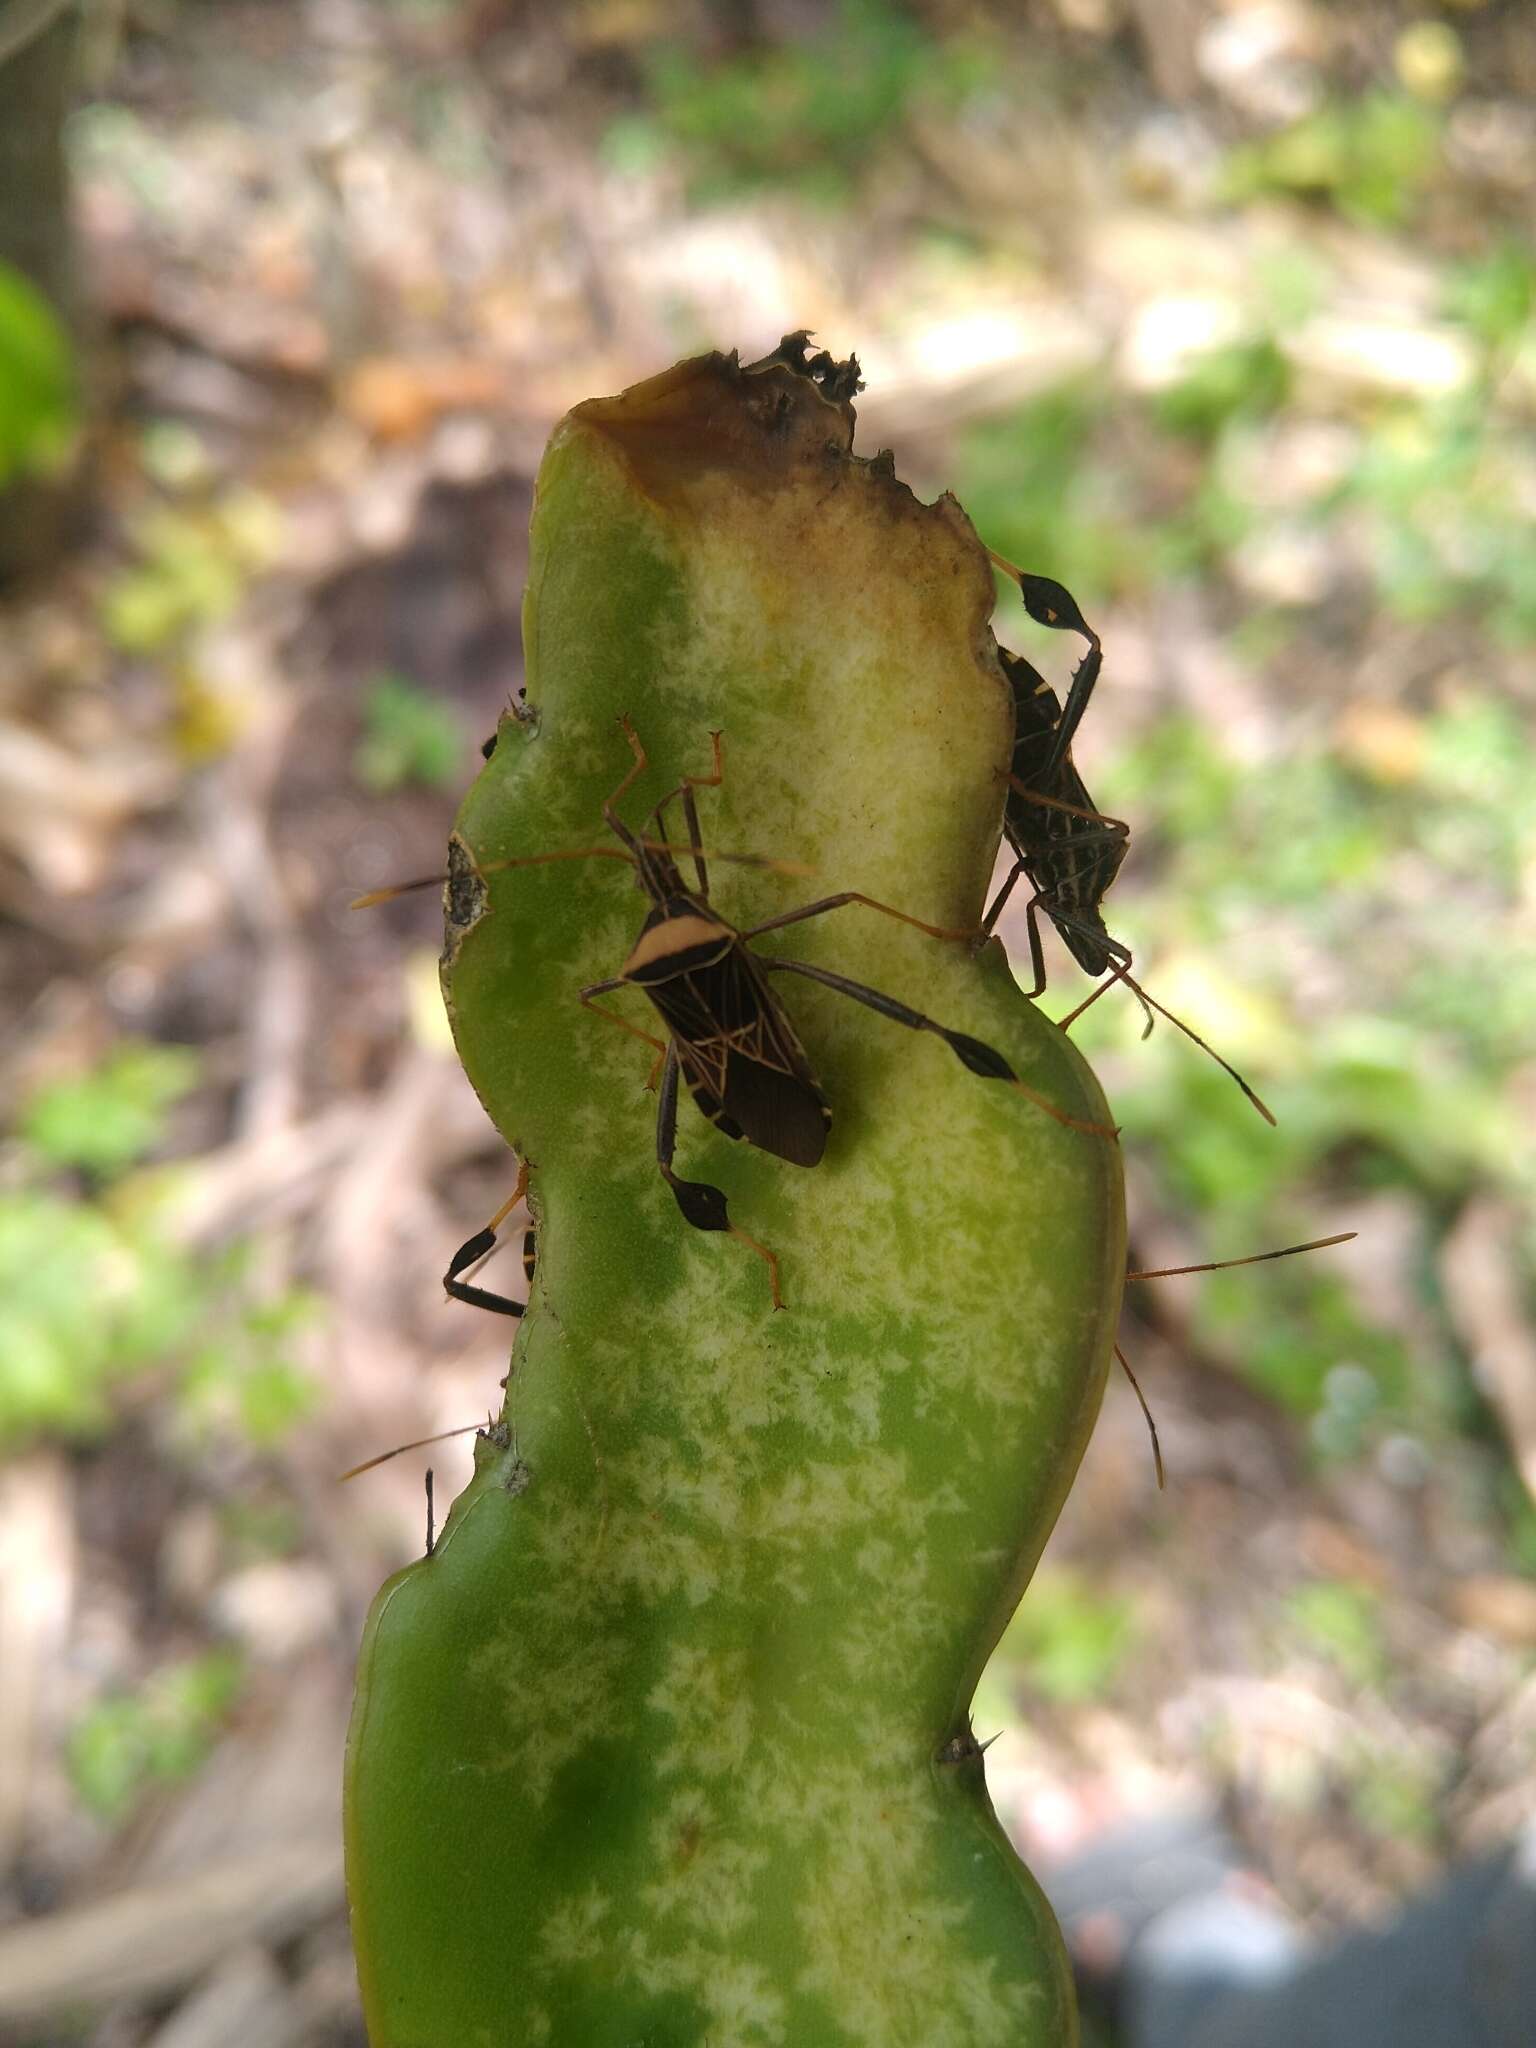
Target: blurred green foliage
[104, 1120]
[1340, 1620]
[1032, 486]
[124, 1745]
[192, 564]
[408, 736]
[245, 1381]
[1243, 379]
[806, 113]
[94, 1290]
[40, 415]
[1399, 1799]
[1068, 1640]
[1372, 159]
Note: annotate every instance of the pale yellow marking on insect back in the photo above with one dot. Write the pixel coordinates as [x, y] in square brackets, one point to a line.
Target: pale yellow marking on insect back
[675, 935]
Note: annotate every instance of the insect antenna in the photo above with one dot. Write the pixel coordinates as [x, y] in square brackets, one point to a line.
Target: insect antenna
[417, 1444]
[1211, 1266]
[1119, 973]
[1289, 1251]
[685, 790]
[538, 860]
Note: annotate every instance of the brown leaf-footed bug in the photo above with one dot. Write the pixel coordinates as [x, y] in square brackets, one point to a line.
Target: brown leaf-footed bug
[1068, 849]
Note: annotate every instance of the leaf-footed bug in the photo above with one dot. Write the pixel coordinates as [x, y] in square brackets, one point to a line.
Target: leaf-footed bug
[1066, 847]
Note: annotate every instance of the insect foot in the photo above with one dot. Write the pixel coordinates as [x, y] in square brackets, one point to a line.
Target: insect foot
[662, 1747]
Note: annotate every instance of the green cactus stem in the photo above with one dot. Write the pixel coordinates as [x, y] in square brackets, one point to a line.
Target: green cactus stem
[667, 1742]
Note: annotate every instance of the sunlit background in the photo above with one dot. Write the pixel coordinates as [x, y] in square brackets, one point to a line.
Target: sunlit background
[1219, 313]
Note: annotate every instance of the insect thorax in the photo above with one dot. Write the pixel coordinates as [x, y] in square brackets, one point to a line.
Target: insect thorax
[678, 937]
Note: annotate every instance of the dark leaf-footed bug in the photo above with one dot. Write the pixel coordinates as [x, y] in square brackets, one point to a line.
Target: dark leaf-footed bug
[1066, 847]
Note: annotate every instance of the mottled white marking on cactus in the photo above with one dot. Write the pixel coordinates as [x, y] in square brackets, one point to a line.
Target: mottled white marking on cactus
[574, 1930]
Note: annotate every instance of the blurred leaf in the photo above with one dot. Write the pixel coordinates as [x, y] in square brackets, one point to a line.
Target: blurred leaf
[112, 1116]
[83, 1302]
[409, 736]
[1395, 1800]
[91, 1292]
[255, 1530]
[247, 1382]
[806, 111]
[1494, 295]
[39, 396]
[124, 1745]
[1372, 158]
[192, 570]
[1032, 491]
[1068, 1641]
[1244, 379]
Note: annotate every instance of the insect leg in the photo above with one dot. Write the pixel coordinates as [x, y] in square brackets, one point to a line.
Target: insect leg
[826, 903]
[971, 1052]
[995, 910]
[1111, 829]
[1115, 950]
[1157, 1448]
[495, 867]
[1120, 973]
[603, 988]
[1084, 676]
[480, 1246]
[418, 1443]
[685, 790]
[702, 1205]
[638, 768]
[1031, 923]
[1036, 947]
[1290, 1251]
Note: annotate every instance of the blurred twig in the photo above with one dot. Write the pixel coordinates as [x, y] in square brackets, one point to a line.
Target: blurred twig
[1480, 1268]
[143, 1943]
[25, 21]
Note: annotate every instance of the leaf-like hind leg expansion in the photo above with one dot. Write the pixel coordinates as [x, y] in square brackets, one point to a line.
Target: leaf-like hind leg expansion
[479, 1247]
[982, 1059]
[1050, 603]
[702, 1205]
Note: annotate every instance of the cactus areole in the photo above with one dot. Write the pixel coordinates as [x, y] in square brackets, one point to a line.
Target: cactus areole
[666, 1745]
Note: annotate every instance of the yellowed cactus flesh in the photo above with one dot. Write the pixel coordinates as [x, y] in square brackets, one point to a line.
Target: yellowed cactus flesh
[667, 1743]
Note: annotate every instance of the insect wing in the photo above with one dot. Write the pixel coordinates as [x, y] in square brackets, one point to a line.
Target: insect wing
[748, 1071]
